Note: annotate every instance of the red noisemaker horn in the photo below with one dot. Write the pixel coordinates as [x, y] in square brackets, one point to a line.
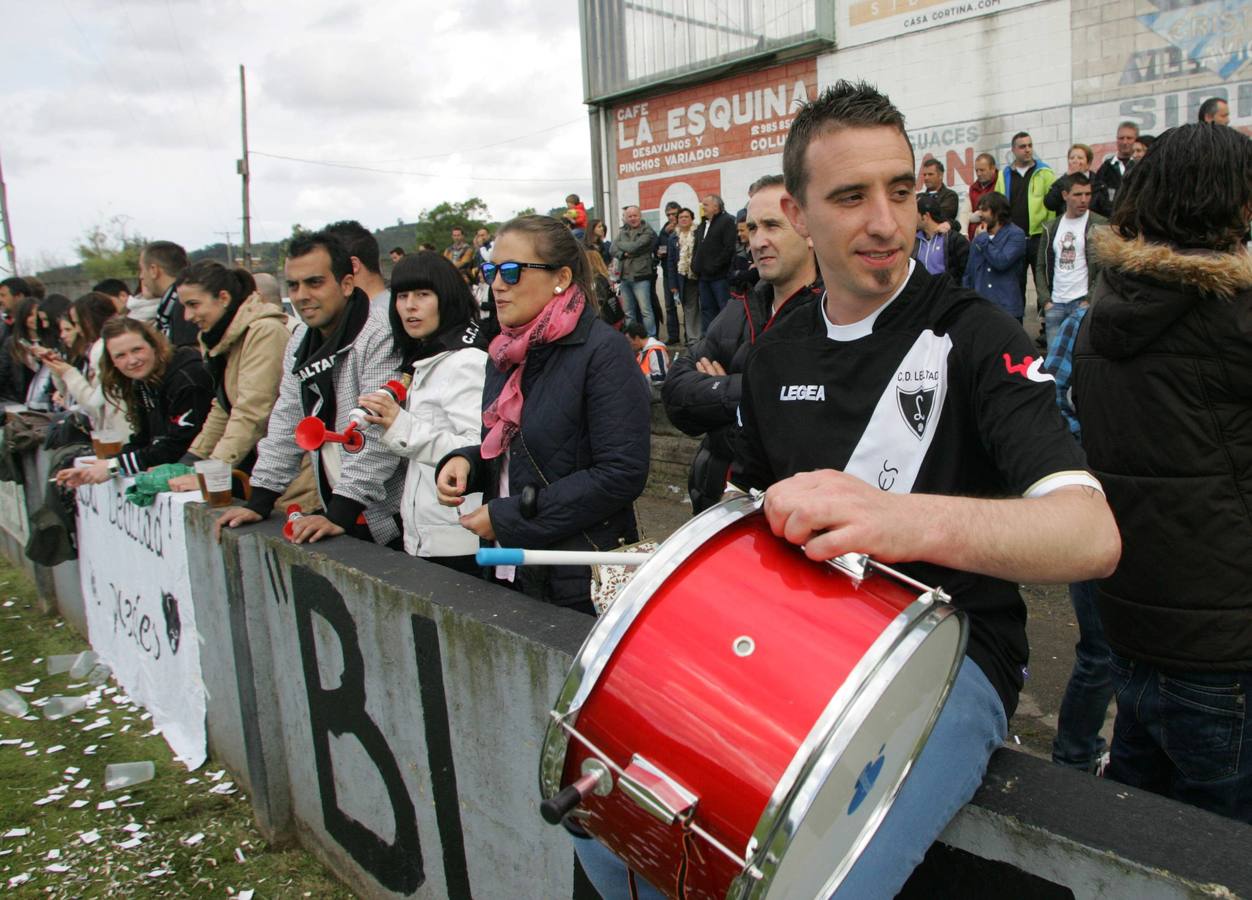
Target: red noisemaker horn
[293, 513]
[397, 389]
[312, 433]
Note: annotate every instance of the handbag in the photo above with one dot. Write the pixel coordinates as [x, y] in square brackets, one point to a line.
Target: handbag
[607, 580]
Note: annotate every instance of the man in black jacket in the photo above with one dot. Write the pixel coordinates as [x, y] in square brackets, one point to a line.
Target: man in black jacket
[160, 265]
[711, 256]
[932, 181]
[702, 390]
[1109, 178]
[1163, 387]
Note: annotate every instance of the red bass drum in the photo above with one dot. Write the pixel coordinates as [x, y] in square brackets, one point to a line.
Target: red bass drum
[750, 714]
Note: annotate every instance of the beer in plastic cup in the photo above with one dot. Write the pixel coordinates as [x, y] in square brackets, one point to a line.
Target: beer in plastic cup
[214, 478]
[107, 443]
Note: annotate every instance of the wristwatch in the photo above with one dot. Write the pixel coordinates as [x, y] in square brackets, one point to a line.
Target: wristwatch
[114, 468]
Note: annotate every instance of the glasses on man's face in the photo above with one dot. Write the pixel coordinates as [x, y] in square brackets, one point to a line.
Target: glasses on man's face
[511, 272]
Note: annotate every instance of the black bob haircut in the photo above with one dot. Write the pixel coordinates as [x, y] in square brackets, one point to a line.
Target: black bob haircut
[340, 258]
[1171, 197]
[845, 104]
[427, 271]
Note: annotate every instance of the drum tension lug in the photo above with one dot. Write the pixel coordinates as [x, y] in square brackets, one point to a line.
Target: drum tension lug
[656, 793]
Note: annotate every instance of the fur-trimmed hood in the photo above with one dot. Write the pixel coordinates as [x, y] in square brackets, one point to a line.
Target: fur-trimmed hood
[1145, 288]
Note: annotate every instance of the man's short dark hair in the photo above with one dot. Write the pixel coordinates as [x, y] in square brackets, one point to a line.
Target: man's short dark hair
[1128, 124]
[340, 258]
[171, 257]
[399, 250]
[114, 287]
[1171, 197]
[17, 286]
[845, 104]
[988, 157]
[1017, 137]
[766, 181]
[933, 163]
[1209, 108]
[636, 330]
[360, 243]
[1076, 178]
[673, 206]
[997, 205]
[928, 205]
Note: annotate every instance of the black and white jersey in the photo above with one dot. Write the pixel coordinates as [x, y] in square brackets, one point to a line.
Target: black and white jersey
[945, 395]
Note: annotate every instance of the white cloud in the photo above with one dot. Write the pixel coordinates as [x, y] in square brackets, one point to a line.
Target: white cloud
[131, 107]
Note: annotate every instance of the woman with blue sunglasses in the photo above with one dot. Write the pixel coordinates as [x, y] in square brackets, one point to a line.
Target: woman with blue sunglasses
[566, 417]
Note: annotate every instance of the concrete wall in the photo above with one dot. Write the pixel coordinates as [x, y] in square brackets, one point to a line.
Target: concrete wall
[387, 714]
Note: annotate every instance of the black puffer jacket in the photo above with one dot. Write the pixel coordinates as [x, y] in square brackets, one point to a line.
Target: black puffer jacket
[585, 446]
[700, 404]
[1163, 388]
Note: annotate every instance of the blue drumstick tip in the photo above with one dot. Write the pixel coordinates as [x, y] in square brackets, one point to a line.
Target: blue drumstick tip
[500, 556]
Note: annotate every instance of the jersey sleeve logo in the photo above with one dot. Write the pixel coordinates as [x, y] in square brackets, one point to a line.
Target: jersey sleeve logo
[1030, 368]
[916, 406]
[182, 421]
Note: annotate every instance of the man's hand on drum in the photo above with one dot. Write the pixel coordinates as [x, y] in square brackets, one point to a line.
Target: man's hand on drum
[831, 513]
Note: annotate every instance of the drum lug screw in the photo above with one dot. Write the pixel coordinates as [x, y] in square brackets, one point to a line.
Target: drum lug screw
[743, 646]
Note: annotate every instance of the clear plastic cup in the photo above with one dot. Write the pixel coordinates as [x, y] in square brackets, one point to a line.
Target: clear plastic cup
[61, 663]
[99, 674]
[85, 662]
[12, 703]
[122, 775]
[60, 707]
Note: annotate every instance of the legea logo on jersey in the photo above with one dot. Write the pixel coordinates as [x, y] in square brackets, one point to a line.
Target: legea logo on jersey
[802, 392]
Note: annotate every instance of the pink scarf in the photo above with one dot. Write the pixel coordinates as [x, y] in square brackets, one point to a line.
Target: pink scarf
[508, 350]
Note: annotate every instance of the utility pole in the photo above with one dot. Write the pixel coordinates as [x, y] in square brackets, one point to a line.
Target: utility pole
[230, 251]
[242, 168]
[8, 234]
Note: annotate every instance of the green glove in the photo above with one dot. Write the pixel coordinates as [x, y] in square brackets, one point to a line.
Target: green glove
[157, 479]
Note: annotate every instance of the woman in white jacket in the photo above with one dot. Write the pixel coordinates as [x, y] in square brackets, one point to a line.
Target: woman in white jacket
[435, 328]
[82, 389]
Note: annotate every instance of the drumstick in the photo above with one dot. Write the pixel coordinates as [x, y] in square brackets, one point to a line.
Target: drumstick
[515, 556]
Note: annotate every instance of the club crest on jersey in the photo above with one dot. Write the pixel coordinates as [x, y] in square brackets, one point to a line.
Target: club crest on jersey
[916, 406]
[802, 392]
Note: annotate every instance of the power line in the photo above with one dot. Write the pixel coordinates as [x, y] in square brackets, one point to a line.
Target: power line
[337, 165]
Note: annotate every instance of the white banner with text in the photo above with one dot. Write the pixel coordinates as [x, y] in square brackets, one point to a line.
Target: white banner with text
[140, 616]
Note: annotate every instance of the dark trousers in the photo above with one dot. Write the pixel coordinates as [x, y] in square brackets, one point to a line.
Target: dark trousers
[1032, 252]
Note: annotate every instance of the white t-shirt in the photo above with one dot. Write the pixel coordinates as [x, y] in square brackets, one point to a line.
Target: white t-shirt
[1069, 275]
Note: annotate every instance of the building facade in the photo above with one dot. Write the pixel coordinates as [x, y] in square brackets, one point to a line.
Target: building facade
[689, 97]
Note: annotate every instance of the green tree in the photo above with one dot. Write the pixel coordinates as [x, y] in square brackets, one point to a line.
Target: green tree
[110, 250]
[434, 226]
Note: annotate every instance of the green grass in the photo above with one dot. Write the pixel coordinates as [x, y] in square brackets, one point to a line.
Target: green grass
[167, 810]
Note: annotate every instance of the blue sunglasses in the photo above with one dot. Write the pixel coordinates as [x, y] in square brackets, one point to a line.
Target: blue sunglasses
[511, 272]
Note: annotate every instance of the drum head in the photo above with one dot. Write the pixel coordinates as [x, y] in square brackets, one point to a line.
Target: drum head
[855, 762]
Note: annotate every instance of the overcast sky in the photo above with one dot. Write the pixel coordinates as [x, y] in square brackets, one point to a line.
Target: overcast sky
[131, 108]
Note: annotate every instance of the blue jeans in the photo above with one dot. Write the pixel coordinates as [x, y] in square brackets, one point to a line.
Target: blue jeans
[1078, 744]
[1183, 735]
[946, 775]
[638, 297]
[1056, 314]
[714, 295]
